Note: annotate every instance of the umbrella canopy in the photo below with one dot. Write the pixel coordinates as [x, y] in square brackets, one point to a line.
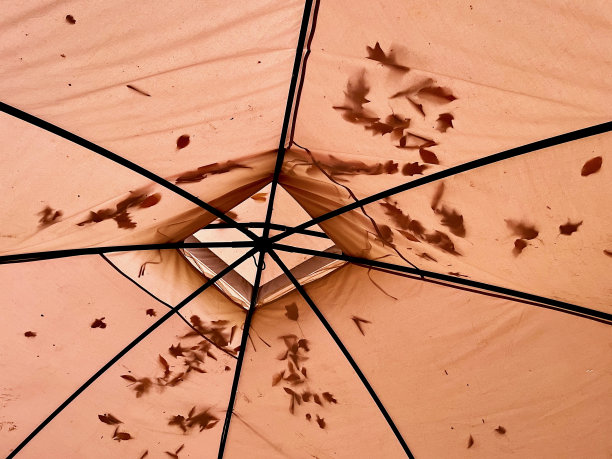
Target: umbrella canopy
[306, 229]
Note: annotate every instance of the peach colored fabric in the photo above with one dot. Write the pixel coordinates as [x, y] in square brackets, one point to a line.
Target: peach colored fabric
[196, 93]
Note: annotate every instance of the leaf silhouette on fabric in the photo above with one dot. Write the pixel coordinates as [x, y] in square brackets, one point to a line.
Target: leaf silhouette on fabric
[291, 311]
[49, 216]
[436, 94]
[519, 245]
[470, 442]
[428, 156]
[30, 334]
[522, 230]
[387, 59]
[199, 174]
[182, 141]
[354, 99]
[379, 128]
[413, 89]
[98, 323]
[120, 214]
[444, 122]
[151, 312]
[329, 398]
[411, 169]
[108, 418]
[569, 228]
[591, 166]
[70, 19]
[119, 436]
[138, 90]
[150, 201]
[261, 197]
[452, 219]
[500, 430]
[321, 422]
[358, 321]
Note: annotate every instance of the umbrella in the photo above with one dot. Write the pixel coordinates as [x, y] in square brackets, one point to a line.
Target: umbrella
[306, 229]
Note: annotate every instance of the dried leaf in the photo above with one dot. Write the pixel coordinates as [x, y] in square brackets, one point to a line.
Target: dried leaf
[177, 351]
[98, 323]
[358, 321]
[428, 157]
[202, 172]
[150, 201]
[436, 94]
[329, 398]
[277, 377]
[377, 54]
[151, 312]
[569, 228]
[49, 216]
[139, 91]
[444, 122]
[109, 419]
[591, 166]
[411, 169]
[519, 245]
[522, 230]
[182, 141]
[259, 197]
[122, 436]
[291, 311]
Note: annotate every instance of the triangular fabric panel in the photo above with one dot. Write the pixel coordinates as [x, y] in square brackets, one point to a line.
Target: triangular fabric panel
[299, 397]
[465, 374]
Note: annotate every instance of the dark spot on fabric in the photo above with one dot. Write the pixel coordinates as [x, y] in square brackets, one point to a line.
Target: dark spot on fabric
[151, 312]
[182, 141]
[591, 166]
[70, 19]
[29, 334]
[500, 430]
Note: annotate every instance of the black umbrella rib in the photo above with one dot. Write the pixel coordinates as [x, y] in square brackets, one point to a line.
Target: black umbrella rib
[53, 254]
[273, 226]
[267, 225]
[345, 351]
[124, 351]
[28, 118]
[280, 156]
[470, 165]
[243, 346]
[534, 300]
